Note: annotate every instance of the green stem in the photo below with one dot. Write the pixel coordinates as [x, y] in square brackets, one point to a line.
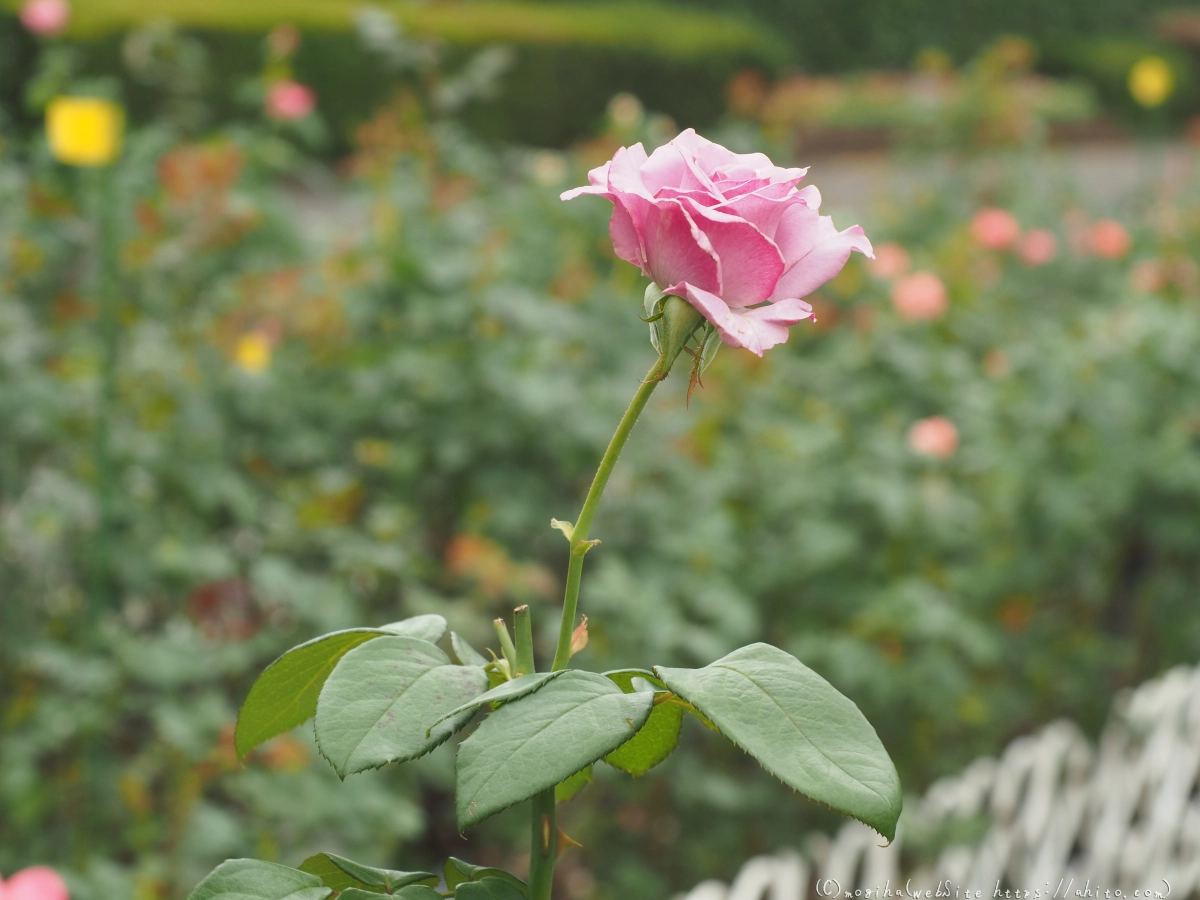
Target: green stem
[579, 538]
[523, 626]
[543, 846]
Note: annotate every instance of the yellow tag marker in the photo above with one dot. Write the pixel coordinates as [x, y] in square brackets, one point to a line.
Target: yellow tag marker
[84, 131]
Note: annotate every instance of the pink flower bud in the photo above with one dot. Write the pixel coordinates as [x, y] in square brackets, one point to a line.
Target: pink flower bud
[935, 437]
[995, 229]
[920, 296]
[891, 261]
[288, 101]
[36, 883]
[46, 18]
[1110, 239]
[1038, 247]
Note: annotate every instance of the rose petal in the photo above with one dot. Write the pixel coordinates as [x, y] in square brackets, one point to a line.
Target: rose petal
[676, 250]
[764, 207]
[798, 230]
[750, 262]
[823, 261]
[626, 238]
[756, 330]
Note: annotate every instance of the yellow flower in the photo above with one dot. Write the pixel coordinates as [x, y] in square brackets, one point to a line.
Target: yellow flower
[1151, 81]
[252, 353]
[84, 131]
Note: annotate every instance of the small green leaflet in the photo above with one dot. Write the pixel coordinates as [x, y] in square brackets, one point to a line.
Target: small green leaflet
[655, 740]
[253, 879]
[285, 695]
[382, 697]
[467, 655]
[340, 873]
[487, 889]
[458, 872]
[413, 892]
[567, 790]
[533, 743]
[429, 627]
[505, 692]
[799, 727]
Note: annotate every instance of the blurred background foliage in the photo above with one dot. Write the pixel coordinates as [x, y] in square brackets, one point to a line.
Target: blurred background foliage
[362, 357]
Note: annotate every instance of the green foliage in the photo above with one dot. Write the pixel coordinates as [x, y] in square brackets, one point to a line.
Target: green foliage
[890, 33]
[566, 791]
[655, 740]
[378, 705]
[488, 889]
[251, 879]
[534, 743]
[503, 693]
[285, 695]
[799, 727]
[457, 872]
[429, 627]
[340, 873]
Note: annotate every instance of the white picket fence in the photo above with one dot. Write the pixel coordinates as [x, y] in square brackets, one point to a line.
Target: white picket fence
[1053, 815]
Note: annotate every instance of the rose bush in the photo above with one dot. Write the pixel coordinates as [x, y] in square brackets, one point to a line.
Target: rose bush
[731, 233]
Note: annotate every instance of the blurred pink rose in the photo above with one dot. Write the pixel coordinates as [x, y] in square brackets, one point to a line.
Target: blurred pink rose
[289, 100]
[46, 17]
[891, 261]
[1110, 239]
[920, 295]
[728, 232]
[935, 436]
[995, 229]
[36, 883]
[1038, 247]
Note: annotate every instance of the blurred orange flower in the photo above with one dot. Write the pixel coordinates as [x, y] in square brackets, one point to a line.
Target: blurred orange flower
[994, 228]
[919, 296]
[1038, 247]
[1109, 239]
[935, 437]
[891, 261]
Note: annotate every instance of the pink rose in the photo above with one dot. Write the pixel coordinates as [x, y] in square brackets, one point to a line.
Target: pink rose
[1110, 239]
[728, 232]
[919, 296]
[46, 17]
[36, 883]
[936, 437]
[1038, 247]
[995, 229]
[289, 100]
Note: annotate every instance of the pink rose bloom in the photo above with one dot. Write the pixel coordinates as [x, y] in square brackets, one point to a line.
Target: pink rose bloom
[36, 883]
[995, 229]
[46, 17]
[891, 261]
[1110, 239]
[919, 296]
[728, 232]
[289, 100]
[936, 437]
[1038, 247]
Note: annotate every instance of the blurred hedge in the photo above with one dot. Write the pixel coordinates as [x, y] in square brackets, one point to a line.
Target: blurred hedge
[839, 37]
